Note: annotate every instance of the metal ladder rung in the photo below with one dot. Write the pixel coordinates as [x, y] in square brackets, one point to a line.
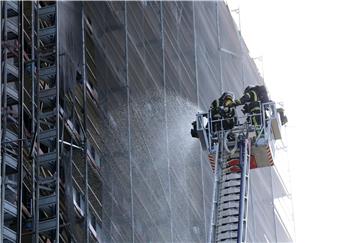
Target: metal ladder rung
[47, 134]
[227, 235]
[231, 176]
[228, 220]
[49, 162]
[10, 136]
[46, 188]
[46, 115]
[47, 34]
[231, 183]
[12, 8]
[230, 190]
[228, 241]
[12, 27]
[9, 234]
[12, 95]
[46, 54]
[229, 198]
[12, 72]
[47, 225]
[46, 180]
[12, 120]
[47, 157]
[229, 205]
[227, 227]
[46, 11]
[11, 162]
[10, 210]
[47, 93]
[47, 73]
[47, 201]
[229, 212]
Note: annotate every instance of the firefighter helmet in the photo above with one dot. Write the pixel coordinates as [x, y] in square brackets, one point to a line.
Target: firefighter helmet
[226, 95]
[248, 88]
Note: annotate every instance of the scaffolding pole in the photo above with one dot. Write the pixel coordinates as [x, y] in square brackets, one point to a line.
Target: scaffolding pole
[86, 220]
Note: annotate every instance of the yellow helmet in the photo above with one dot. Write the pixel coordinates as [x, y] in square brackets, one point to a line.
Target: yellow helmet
[226, 96]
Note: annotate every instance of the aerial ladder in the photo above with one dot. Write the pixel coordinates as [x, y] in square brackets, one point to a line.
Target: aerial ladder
[235, 145]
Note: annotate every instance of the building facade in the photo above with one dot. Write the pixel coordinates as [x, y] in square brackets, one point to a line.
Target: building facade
[96, 105]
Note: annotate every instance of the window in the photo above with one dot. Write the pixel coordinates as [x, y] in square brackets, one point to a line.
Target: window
[92, 152]
[78, 201]
[94, 155]
[93, 221]
[79, 77]
[76, 197]
[94, 227]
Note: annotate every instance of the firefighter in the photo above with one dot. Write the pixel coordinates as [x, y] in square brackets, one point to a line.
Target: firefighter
[223, 108]
[251, 101]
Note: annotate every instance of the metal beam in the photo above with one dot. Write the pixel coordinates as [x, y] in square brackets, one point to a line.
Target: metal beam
[84, 73]
[21, 121]
[2, 188]
[71, 145]
[57, 189]
[224, 50]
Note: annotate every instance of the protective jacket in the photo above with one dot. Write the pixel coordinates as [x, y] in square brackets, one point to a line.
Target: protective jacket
[251, 101]
[252, 98]
[215, 109]
[223, 108]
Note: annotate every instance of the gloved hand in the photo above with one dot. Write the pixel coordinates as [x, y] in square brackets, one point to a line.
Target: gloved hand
[222, 111]
[245, 109]
[237, 103]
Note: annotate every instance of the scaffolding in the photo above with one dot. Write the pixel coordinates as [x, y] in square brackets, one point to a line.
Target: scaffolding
[42, 124]
[11, 121]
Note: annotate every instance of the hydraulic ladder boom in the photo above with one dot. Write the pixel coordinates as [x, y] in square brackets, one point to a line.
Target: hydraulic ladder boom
[237, 148]
[231, 195]
[244, 189]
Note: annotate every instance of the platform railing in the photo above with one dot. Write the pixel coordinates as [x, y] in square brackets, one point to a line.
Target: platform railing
[240, 123]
